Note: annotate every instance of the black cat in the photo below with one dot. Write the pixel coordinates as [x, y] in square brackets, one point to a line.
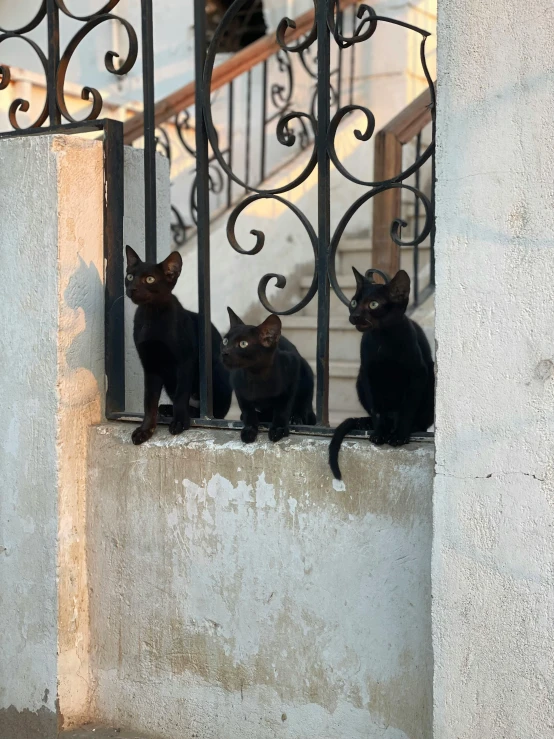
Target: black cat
[272, 382]
[396, 382]
[166, 338]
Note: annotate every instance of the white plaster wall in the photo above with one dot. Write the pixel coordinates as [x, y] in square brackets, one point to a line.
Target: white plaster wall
[493, 603]
[51, 389]
[237, 592]
[28, 402]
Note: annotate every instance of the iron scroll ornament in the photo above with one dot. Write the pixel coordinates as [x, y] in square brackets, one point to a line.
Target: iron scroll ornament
[55, 87]
[368, 25]
[91, 22]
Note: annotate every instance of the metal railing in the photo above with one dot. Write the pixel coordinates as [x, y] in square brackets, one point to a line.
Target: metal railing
[264, 83]
[316, 123]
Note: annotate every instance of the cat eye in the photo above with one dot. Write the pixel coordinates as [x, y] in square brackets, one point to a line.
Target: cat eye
[129, 277]
[225, 342]
[243, 344]
[353, 303]
[150, 279]
[374, 304]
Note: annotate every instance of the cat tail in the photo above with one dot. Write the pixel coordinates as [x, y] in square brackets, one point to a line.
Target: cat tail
[348, 425]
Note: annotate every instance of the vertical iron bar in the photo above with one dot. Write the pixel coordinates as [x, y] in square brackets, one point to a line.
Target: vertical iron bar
[416, 223]
[353, 57]
[53, 61]
[324, 209]
[230, 144]
[150, 208]
[433, 226]
[202, 98]
[340, 18]
[264, 122]
[248, 126]
[114, 320]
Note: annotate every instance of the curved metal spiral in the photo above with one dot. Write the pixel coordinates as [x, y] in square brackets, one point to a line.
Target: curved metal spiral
[182, 124]
[20, 103]
[178, 227]
[215, 186]
[306, 60]
[163, 143]
[367, 16]
[283, 136]
[333, 97]
[281, 95]
[107, 8]
[36, 21]
[394, 232]
[280, 280]
[90, 93]
[370, 128]
[370, 272]
[301, 45]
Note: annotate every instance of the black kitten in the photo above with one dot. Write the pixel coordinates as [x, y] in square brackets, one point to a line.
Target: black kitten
[396, 383]
[272, 382]
[166, 337]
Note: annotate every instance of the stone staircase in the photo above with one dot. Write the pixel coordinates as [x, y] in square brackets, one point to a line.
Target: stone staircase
[344, 340]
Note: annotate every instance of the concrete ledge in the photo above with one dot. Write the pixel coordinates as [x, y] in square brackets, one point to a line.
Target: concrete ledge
[239, 591]
[93, 731]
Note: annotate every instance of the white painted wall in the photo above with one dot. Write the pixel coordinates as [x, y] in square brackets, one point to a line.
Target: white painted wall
[28, 503]
[493, 559]
[238, 592]
[51, 390]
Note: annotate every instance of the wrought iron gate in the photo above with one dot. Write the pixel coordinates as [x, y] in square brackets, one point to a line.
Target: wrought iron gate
[319, 122]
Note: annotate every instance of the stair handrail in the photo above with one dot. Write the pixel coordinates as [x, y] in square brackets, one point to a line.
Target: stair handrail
[389, 141]
[241, 62]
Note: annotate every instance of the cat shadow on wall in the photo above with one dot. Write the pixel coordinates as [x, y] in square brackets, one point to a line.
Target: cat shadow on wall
[82, 321]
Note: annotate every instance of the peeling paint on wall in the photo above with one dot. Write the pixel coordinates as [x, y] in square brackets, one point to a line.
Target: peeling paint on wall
[239, 583]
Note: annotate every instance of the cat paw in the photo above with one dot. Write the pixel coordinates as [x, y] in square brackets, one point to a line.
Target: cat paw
[310, 419]
[399, 440]
[166, 411]
[177, 427]
[276, 433]
[140, 435]
[248, 434]
[377, 439]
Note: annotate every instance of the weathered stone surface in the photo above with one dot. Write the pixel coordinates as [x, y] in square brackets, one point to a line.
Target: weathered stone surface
[237, 590]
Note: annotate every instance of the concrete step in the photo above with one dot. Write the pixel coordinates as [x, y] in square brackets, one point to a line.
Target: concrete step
[343, 337]
[343, 397]
[357, 253]
[342, 390]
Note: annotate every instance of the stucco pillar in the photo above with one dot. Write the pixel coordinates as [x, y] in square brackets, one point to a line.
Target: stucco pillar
[493, 557]
[51, 391]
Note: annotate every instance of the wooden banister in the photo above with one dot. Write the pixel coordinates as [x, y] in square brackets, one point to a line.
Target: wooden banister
[387, 164]
[224, 73]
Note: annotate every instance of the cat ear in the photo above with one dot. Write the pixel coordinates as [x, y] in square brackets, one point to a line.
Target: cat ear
[132, 257]
[399, 287]
[172, 266]
[270, 330]
[359, 279]
[234, 319]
